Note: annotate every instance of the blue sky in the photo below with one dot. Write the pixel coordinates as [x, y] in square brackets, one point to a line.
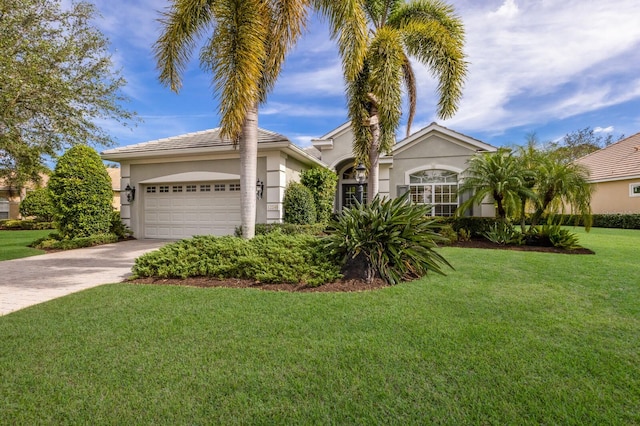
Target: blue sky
[543, 66]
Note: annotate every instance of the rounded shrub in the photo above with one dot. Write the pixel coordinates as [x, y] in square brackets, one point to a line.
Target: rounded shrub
[38, 204]
[81, 194]
[299, 206]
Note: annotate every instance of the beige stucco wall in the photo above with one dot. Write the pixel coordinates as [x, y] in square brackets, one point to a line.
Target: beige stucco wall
[614, 197]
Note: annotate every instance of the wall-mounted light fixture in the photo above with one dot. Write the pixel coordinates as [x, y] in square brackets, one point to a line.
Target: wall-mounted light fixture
[131, 193]
[259, 189]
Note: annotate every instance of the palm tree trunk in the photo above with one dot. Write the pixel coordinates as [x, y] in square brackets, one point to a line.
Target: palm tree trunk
[248, 172]
[374, 155]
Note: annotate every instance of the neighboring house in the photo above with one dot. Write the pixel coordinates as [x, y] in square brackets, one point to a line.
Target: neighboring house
[615, 176]
[10, 196]
[189, 184]
[430, 164]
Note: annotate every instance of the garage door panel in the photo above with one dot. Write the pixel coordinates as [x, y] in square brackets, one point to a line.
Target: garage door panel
[181, 214]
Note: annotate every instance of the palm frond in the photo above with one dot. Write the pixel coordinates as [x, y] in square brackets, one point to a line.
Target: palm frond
[182, 25]
[412, 92]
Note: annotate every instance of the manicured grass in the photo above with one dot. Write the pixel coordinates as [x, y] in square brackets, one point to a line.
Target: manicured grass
[506, 338]
[13, 244]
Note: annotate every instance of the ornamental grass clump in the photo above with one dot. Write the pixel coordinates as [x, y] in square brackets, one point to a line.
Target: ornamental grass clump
[392, 239]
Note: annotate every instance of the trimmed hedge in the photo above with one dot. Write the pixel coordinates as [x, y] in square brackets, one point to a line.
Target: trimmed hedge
[322, 184]
[271, 258]
[621, 221]
[317, 229]
[25, 224]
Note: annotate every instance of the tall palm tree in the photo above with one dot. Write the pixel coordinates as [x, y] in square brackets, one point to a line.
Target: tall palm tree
[559, 185]
[499, 175]
[245, 53]
[427, 30]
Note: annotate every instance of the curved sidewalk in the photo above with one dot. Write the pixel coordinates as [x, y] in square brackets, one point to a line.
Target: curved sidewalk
[32, 280]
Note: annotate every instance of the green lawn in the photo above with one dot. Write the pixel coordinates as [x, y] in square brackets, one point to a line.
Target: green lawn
[506, 338]
[13, 244]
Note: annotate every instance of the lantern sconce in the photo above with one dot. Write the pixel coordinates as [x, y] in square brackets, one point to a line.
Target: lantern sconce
[131, 193]
[259, 189]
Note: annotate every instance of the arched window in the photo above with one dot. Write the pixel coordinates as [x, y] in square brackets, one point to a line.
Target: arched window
[435, 187]
[350, 188]
[4, 208]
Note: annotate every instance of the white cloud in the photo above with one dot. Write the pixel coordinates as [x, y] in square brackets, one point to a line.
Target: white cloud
[301, 110]
[599, 129]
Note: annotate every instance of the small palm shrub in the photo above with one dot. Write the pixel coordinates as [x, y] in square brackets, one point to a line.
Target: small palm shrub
[392, 239]
[298, 205]
[552, 235]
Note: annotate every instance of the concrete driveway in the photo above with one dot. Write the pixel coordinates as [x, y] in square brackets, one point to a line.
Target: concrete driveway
[31, 280]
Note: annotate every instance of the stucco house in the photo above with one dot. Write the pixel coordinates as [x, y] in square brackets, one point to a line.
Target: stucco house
[615, 176]
[430, 164]
[190, 184]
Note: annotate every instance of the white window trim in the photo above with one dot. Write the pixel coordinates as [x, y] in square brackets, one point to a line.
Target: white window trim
[631, 186]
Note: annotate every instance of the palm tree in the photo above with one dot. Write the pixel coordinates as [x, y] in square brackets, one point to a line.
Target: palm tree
[427, 30]
[560, 184]
[245, 54]
[499, 175]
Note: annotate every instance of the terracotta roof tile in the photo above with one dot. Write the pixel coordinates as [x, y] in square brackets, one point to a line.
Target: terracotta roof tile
[620, 160]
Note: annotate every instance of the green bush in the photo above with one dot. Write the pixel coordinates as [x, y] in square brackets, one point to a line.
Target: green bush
[38, 204]
[552, 235]
[270, 258]
[25, 224]
[81, 194]
[393, 239]
[322, 184]
[298, 205]
[475, 226]
[317, 229]
[622, 221]
[56, 242]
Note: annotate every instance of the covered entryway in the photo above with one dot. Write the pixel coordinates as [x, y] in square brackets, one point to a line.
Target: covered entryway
[183, 208]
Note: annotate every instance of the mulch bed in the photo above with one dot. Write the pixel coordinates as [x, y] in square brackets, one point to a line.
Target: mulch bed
[345, 285]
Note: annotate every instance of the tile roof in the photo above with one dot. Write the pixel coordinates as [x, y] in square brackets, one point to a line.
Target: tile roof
[203, 139]
[618, 161]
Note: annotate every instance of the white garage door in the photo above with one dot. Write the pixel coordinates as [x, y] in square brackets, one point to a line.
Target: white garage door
[182, 210]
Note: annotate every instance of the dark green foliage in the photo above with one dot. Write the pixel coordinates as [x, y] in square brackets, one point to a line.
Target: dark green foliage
[271, 258]
[298, 205]
[475, 226]
[38, 204]
[394, 238]
[317, 229]
[118, 228]
[322, 184]
[622, 221]
[81, 194]
[552, 235]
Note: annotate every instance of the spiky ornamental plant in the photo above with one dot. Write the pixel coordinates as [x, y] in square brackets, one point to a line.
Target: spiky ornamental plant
[245, 55]
[392, 239]
[427, 30]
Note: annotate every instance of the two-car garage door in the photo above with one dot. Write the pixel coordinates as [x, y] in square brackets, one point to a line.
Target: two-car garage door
[181, 210]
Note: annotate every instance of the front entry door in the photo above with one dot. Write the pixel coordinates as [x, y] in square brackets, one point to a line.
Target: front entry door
[350, 194]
